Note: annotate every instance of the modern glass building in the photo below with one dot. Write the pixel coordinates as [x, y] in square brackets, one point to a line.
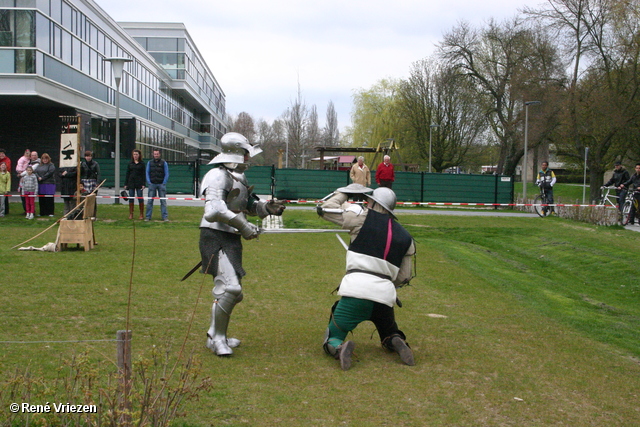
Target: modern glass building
[52, 64]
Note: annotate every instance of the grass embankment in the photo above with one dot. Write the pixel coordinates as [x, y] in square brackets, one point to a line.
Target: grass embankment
[540, 321]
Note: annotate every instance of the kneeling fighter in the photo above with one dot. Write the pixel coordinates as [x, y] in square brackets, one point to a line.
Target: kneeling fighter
[379, 259]
[228, 197]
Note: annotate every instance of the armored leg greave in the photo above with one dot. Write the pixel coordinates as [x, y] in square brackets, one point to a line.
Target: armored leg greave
[227, 292]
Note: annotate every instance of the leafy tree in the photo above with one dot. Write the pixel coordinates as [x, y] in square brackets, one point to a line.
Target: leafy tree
[507, 63]
[602, 41]
[376, 114]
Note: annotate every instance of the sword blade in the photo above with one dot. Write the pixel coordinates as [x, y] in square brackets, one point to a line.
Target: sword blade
[344, 245]
[300, 230]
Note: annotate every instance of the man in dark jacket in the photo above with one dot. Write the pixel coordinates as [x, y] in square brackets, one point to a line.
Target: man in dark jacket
[620, 176]
[633, 183]
[157, 177]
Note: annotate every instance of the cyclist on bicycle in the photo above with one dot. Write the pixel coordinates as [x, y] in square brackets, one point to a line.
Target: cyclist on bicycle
[546, 179]
[620, 176]
[633, 183]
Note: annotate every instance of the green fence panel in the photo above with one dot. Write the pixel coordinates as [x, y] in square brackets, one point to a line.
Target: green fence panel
[260, 178]
[107, 171]
[181, 175]
[308, 184]
[407, 186]
[295, 184]
[462, 188]
[181, 178]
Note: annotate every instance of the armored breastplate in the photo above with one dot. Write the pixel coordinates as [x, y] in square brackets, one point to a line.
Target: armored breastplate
[238, 197]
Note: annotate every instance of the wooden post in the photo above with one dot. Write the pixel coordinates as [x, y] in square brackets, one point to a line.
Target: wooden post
[124, 371]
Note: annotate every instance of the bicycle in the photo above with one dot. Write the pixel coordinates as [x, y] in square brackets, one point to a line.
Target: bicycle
[606, 198]
[628, 203]
[540, 203]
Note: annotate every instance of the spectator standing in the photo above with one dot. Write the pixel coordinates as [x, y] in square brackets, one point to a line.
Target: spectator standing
[385, 175]
[157, 175]
[620, 176]
[6, 161]
[134, 182]
[360, 173]
[633, 183]
[5, 187]
[547, 179]
[68, 187]
[89, 172]
[29, 191]
[46, 173]
[23, 162]
[34, 162]
[21, 166]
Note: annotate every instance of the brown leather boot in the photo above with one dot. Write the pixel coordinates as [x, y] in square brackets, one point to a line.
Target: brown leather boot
[141, 210]
[131, 210]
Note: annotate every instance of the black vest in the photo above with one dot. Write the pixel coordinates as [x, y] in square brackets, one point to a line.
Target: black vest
[156, 171]
[382, 237]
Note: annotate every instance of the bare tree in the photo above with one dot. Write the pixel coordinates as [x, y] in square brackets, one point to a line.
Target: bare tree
[245, 125]
[313, 136]
[295, 120]
[439, 101]
[331, 133]
[272, 140]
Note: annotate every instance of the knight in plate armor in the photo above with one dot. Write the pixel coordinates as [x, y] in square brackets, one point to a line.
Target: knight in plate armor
[228, 200]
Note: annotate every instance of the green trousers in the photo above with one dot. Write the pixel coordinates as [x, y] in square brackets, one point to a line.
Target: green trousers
[349, 312]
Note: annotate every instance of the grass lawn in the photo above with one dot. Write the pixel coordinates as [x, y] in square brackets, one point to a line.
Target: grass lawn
[513, 321]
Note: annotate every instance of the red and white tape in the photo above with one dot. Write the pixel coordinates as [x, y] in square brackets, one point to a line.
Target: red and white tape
[304, 201]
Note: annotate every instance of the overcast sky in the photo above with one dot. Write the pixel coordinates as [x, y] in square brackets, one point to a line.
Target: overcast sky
[259, 51]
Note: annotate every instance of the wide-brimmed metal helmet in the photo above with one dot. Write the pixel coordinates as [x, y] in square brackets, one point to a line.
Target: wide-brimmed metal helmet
[234, 146]
[385, 197]
[354, 189]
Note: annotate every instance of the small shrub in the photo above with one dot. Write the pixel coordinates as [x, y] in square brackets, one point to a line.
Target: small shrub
[155, 398]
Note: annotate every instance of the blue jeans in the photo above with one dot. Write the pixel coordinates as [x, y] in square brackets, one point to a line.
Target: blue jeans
[135, 192]
[157, 190]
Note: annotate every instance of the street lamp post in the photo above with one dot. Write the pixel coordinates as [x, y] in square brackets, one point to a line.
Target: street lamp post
[584, 182]
[526, 148]
[117, 66]
[430, 128]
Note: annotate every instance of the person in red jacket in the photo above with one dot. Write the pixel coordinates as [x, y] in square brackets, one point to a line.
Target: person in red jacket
[385, 174]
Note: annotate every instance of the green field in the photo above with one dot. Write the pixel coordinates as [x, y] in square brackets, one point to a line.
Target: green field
[513, 322]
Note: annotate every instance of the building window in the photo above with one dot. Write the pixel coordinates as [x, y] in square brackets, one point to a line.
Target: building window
[162, 44]
[17, 28]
